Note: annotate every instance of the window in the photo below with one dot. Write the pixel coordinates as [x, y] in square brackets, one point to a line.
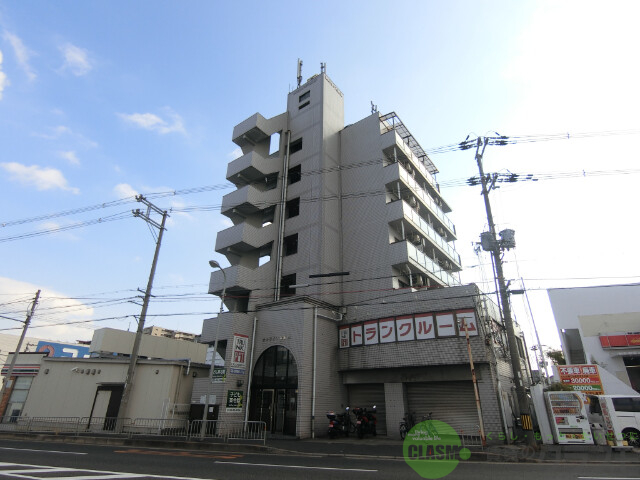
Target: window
[267, 216]
[295, 146]
[285, 285]
[293, 208]
[303, 105]
[627, 404]
[291, 244]
[271, 181]
[304, 96]
[295, 174]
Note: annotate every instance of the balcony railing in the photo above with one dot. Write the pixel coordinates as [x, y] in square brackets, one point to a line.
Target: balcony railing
[420, 193]
[430, 232]
[398, 142]
[428, 264]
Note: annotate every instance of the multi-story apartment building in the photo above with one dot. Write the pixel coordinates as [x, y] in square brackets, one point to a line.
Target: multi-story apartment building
[343, 285]
[167, 333]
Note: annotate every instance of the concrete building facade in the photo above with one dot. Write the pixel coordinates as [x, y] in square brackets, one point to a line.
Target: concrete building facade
[601, 325]
[343, 286]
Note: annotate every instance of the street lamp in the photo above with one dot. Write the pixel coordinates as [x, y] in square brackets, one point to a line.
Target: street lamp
[213, 264]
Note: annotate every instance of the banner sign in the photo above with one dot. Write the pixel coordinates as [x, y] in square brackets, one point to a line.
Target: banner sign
[63, 350]
[234, 400]
[421, 326]
[219, 375]
[239, 354]
[582, 378]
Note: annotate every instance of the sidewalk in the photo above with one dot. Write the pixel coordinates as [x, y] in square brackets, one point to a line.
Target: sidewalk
[392, 449]
[380, 447]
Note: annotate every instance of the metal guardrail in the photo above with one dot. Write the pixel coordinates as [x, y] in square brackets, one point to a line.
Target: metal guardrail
[470, 437]
[175, 428]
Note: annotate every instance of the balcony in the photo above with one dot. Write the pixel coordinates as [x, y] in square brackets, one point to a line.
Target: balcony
[248, 200]
[253, 130]
[250, 168]
[394, 173]
[399, 211]
[402, 253]
[238, 278]
[403, 153]
[244, 237]
[230, 323]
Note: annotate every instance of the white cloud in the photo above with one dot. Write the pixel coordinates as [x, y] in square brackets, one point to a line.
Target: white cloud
[154, 123]
[49, 299]
[22, 53]
[124, 190]
[43, 178]
[4, 81]
[55, 226]
[236, 153]
[54, 133]
[70, 156]
[76, 60]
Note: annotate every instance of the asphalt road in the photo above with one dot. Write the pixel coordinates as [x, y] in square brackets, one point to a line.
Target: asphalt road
[21, 460]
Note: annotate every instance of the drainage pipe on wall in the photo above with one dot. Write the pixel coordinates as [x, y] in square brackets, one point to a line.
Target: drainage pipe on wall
[313, 376]
[250, 380]
[283, 202]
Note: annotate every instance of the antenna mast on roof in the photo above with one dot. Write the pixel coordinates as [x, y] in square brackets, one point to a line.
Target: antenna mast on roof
[299, 72]
[323, 67]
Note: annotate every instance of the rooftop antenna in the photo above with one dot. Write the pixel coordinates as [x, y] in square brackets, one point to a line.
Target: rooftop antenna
[299, 72]
[374, 108]
[323, 68]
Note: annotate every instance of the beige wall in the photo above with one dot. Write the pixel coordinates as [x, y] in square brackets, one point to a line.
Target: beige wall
[63, 388]
[112, 340]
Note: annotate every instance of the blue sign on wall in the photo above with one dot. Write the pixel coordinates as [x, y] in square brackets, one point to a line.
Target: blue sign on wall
[63, 350]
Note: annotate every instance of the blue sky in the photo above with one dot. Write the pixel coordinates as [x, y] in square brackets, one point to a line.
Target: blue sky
[99, 100]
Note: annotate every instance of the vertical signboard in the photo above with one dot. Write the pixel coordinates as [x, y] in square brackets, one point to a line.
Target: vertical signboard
[239, 354]
[344, 337]
[234, 400]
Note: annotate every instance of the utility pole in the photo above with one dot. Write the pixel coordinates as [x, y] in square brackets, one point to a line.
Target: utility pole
[17, 351]
[128, 383]
[522, 404]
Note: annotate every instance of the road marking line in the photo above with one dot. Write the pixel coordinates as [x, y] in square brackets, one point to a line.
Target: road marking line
[298, 466]
[610, 478]
[45, 451]
[102, 474]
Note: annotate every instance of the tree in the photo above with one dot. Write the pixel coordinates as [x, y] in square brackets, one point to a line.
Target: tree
[556, 356]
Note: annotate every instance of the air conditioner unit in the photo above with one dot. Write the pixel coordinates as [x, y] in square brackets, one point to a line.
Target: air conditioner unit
[413, 201]
[415, 238]
[418, 281]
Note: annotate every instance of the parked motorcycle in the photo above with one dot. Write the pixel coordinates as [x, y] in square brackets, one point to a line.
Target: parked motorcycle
[365, 421]
[340, 424]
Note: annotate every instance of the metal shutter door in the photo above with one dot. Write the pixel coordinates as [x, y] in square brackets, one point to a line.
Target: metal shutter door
[366, 396]
[451, 402]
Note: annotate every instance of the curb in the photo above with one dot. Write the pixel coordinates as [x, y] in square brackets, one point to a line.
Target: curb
[514, 455]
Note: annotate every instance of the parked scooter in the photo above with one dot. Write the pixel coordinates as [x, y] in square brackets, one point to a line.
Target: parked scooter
[340, 424]
[365, 421]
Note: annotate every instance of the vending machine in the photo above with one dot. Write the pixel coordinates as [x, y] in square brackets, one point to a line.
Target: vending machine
[568, 417]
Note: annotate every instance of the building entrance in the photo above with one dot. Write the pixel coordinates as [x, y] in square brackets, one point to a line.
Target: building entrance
[274, 388]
